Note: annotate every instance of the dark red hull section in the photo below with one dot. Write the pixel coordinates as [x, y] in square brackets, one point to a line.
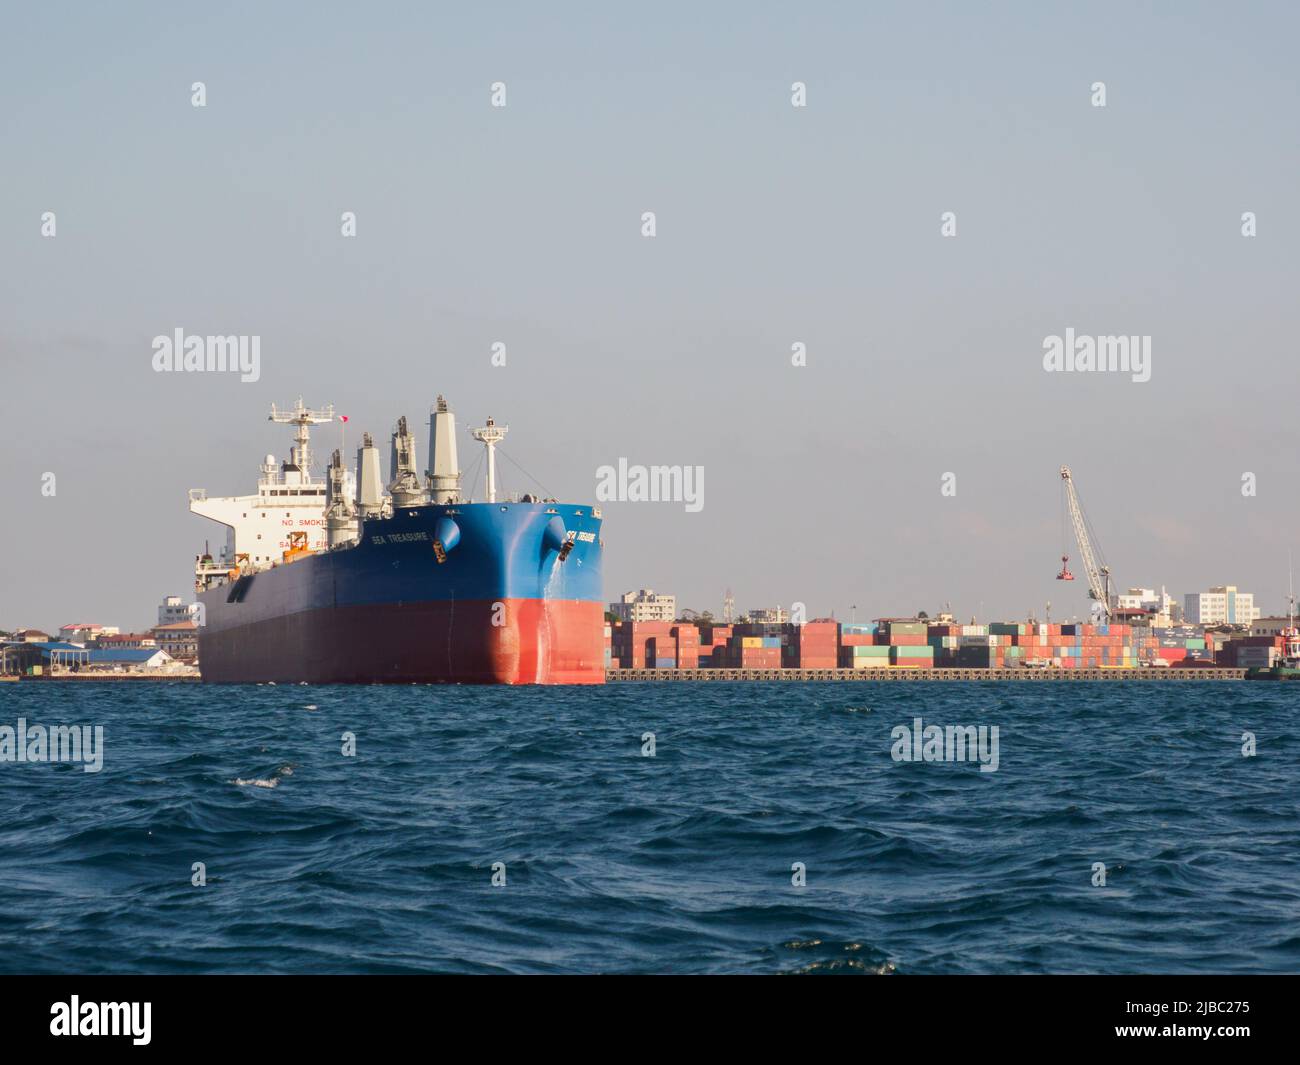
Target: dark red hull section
[504, 641]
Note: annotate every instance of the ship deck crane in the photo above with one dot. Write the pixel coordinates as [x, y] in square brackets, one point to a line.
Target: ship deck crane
[1097, 572]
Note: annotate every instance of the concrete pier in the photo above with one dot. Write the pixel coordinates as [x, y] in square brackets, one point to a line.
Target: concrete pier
[903, 675]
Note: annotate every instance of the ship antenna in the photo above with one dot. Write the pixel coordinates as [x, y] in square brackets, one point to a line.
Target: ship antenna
[489, 436]
[302, 417]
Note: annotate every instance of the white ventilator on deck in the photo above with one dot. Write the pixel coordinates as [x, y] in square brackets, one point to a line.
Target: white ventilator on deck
[490, 435]
[404, 483]
[340, 514]
[370, 491]
[444, 471]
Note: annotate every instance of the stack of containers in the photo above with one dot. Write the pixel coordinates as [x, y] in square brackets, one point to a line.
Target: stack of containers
[1012, 650]
[1216, 642]
[630, 641]
[864, 657]
[661, 652]
[620, 645]
[751, 652]
[687, 649]
[908, 643]
[1183, 643]
[979, 648]
[858, 647]
[946, 642]
[713, 638]
[914, 657]
[1255, 652]
[760, 628]
[609, 646]
[1034, 644]
[857, 634]
[812, 646]
[1115, 646]
[1145, 645]
[1001, 645]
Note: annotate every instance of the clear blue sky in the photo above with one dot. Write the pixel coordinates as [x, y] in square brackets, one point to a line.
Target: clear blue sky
[775, 225]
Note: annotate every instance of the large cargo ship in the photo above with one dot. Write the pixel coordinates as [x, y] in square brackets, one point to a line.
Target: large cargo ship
[357, 580]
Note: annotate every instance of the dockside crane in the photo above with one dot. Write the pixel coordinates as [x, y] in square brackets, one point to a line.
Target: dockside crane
[1098, 573]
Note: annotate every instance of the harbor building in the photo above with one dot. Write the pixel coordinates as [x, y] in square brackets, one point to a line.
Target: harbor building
[127, 660]
[1160, 605]
[85, 632]
[172, 610]
[179, 639]
[769, 616]
[645, 605]
[1224, 605]
[54, 657]
[127, 641]
[35, 657]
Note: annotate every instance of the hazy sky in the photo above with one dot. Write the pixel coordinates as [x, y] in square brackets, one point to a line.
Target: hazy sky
[775, 225]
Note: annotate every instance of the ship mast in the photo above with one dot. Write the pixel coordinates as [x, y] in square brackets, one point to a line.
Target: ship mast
[489, 436]
[1291, 635]
[302, 417]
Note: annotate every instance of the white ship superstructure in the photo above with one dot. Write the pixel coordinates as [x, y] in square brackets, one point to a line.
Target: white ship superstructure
[260, 527]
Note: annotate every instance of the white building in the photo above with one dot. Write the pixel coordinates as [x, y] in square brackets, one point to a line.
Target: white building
[1160, 605]
[173, 611]
[769, 616]
[1223, 605]
[83, 632]
[645, 605]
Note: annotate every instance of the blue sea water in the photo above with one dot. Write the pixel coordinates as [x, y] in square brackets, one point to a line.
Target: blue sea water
[676, 863]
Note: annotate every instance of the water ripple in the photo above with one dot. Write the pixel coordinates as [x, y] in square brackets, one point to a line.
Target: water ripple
[771, 832]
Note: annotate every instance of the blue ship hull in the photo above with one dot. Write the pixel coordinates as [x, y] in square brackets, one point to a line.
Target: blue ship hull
[502, 593]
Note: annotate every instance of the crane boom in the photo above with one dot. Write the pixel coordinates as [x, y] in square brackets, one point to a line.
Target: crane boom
[1097, 586]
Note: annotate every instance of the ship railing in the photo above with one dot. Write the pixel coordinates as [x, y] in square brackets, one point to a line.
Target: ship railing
[213, 569]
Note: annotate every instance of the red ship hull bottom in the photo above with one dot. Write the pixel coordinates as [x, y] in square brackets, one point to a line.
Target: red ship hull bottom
[505, 641]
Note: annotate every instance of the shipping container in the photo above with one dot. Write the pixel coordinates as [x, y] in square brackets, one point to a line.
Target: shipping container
[898, 653]
[874, 651]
